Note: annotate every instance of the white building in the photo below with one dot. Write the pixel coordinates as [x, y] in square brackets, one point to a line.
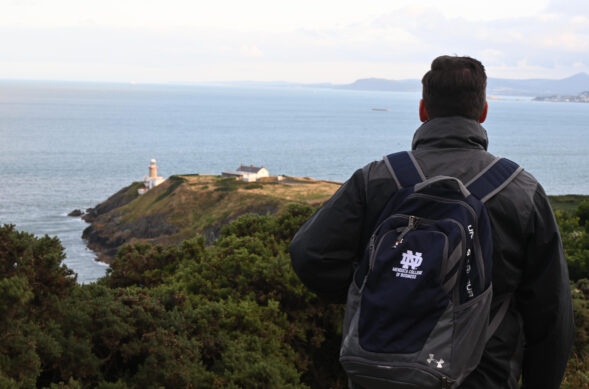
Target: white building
[247, 173]
[152, 180]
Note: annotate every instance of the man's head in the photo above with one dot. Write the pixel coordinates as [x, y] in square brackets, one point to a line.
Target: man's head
[455, 86]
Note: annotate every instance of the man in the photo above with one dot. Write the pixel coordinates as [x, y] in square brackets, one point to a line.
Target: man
[535, 337]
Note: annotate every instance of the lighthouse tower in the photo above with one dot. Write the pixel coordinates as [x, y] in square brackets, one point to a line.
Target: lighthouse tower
[152, 180]
[152, 169]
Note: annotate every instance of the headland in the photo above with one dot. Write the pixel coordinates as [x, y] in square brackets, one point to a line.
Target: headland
[186, 205]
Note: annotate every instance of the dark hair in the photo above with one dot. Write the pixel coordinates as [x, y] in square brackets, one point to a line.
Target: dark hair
[455, 86]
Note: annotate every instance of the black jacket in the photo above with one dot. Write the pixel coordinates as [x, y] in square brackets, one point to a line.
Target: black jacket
[536, 336]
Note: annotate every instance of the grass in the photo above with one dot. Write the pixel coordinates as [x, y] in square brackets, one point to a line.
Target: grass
[566, 203]
[174, 182]
[253, 185]
[194, 203]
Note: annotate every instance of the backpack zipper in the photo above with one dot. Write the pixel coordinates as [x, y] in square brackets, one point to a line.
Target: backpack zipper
[447, 201]
[445, 381]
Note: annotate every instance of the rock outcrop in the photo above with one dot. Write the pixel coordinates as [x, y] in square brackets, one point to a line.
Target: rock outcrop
[76, 213]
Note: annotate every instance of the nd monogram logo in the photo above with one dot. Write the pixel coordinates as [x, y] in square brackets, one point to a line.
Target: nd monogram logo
[411, 260]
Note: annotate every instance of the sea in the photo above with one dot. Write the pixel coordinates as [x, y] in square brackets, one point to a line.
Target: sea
[66, 145]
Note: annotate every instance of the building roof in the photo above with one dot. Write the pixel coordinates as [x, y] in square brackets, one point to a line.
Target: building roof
[233, 174]
[249, 169]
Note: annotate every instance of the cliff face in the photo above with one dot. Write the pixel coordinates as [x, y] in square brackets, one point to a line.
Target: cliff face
[109, 228]
[119, 199]
[184, 206]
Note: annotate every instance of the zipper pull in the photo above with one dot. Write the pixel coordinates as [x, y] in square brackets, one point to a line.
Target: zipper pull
[446, 384]
[411, 224]
[371, 245]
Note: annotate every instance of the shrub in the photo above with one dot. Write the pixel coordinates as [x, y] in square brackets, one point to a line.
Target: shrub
[146, 265]
[33, 284]
[575, 239]
[582, 213]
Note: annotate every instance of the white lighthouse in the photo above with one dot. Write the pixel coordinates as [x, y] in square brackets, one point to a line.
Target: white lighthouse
[152, 180]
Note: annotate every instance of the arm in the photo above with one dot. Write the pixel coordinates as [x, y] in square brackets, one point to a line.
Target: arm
[544, 299]
[324, 251]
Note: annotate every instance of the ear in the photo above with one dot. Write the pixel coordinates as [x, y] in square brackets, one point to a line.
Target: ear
[484, 115]
[423, 116]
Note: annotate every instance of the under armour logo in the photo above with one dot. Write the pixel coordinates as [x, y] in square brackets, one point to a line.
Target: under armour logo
[411, 260]
[431, 359]
[469, 291]
[471, 231]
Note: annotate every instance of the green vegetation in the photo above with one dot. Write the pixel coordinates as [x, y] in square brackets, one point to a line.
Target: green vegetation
[231, 314]
[574, 229]
[566, 203]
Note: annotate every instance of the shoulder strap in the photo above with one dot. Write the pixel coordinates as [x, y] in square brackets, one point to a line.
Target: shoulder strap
[484, 186]
[406, 172]
[404, 169]
[493, 178]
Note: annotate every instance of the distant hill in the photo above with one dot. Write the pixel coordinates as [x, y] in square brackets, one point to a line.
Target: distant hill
[534, 87]
[495, 86]
[383, 85]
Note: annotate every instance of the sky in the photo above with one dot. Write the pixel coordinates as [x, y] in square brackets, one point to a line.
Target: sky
[306, 41]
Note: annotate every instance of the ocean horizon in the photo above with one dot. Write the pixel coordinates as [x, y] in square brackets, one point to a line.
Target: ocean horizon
[69, 146]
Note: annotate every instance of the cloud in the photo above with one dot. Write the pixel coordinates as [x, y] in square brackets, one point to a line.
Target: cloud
[395, 44]
[251, 51]
[568, 7]
[567, 41]
[543, 44]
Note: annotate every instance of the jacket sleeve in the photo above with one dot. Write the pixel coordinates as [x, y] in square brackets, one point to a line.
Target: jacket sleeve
[326, 248]
[544, 300]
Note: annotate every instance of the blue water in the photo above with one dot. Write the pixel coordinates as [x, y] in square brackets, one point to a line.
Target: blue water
[71, 145]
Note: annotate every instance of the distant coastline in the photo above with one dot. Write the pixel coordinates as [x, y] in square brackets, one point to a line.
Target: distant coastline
[580, 98]
[495, 86]
[531, 87]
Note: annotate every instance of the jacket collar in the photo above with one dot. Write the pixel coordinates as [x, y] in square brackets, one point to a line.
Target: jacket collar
[450, 132]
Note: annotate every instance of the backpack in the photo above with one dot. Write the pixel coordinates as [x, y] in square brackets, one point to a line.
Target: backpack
[418, 307]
